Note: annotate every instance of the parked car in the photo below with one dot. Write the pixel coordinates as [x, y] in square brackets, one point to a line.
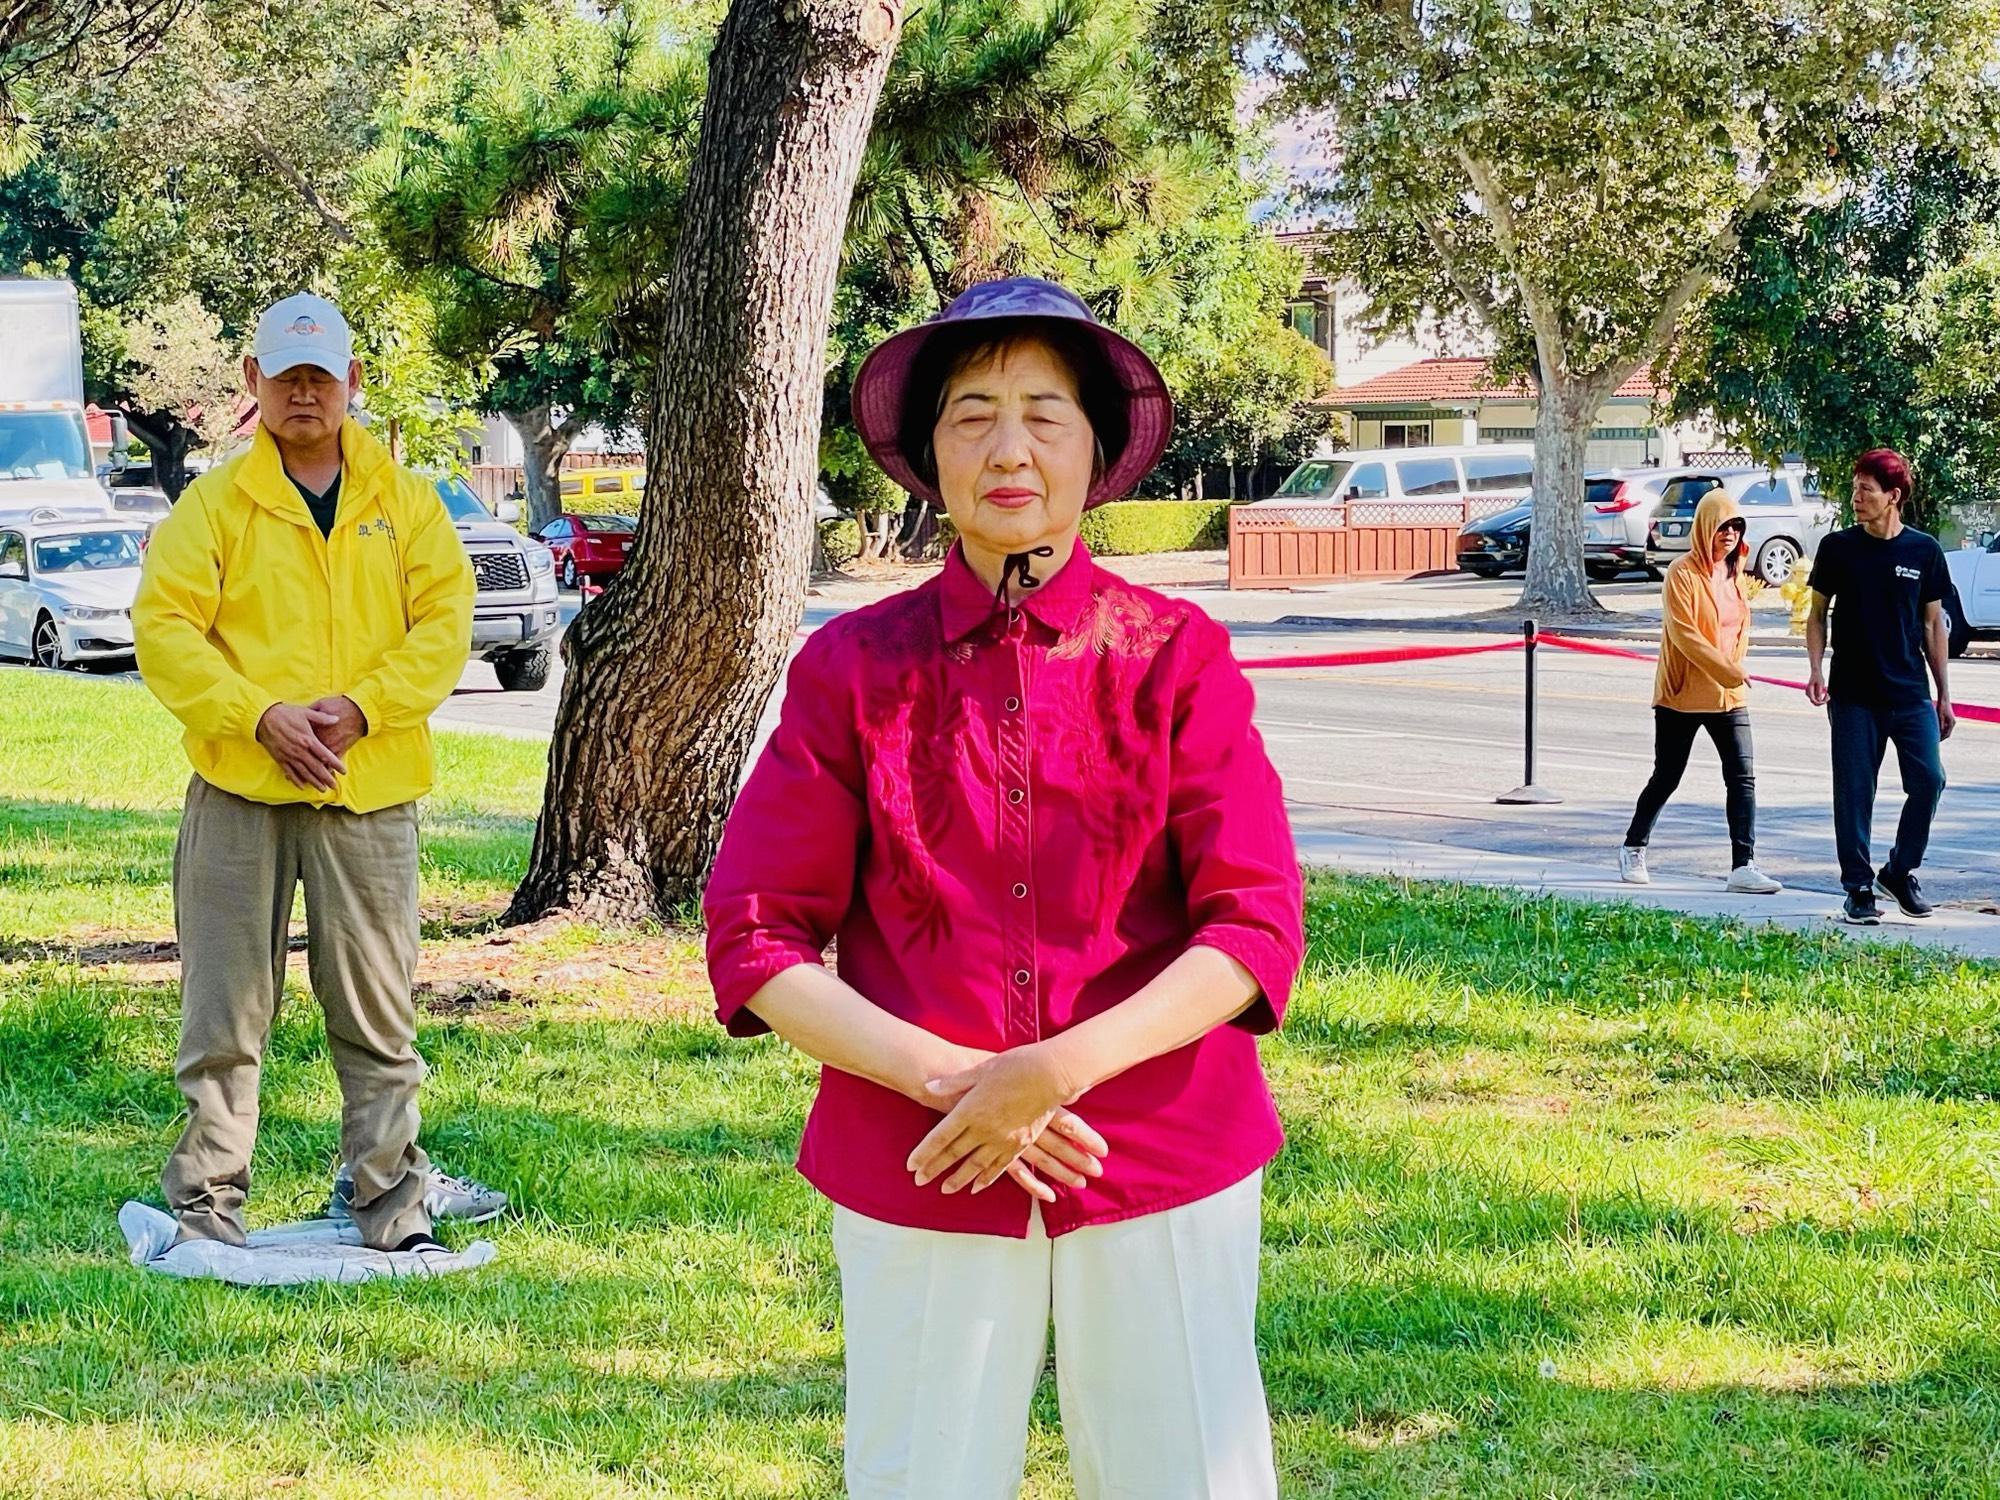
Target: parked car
[1785, 514]
[1483, 471]
[603, 489]
[588, 546]
[67, 586]
[1495, 544]
[1975, 578]
[1618, 511]
[516, 617]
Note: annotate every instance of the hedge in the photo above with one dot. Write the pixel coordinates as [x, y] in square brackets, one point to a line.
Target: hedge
[1129, 528]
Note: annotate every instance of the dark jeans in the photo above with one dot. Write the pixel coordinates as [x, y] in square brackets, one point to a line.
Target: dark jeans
[1860, 734]
[1673, 738]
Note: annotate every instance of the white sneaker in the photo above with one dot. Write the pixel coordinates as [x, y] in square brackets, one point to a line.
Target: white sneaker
[1748, 880]
[1632, 866]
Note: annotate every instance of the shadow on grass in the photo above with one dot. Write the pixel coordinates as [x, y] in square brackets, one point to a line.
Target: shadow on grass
[667, 1285]
[62, 846]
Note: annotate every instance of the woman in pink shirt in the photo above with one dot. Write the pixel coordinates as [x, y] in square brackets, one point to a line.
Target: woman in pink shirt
[1028, 801]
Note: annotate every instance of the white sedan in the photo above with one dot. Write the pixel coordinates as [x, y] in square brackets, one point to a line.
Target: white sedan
[66, 588]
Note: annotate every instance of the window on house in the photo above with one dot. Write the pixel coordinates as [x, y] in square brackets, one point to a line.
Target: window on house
[1312, 320]
[1406, 434]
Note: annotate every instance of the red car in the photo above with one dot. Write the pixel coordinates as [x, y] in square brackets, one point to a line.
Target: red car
[588, 546]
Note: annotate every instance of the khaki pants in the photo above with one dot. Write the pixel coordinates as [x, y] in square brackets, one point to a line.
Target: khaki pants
[235, 867]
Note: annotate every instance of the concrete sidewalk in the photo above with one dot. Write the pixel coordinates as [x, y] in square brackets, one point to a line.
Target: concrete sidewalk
[1975, 934]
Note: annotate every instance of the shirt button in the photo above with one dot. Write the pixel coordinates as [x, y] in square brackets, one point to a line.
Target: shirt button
[1022, 976]
[1013, 705]
[1016, 795]
[1019, 891]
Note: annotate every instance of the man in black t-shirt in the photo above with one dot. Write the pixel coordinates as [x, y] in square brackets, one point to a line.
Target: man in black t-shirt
[1889, 642]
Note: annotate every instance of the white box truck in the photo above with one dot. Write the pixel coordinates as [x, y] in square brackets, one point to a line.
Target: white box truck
[44, 446]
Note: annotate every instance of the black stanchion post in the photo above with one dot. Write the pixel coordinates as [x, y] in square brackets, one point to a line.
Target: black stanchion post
[1527, 793]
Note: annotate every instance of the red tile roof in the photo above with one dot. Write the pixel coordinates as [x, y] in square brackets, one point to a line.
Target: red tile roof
[1457, 380]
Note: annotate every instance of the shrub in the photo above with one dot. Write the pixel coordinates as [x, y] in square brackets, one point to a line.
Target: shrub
[1129, 528]
[840, 541]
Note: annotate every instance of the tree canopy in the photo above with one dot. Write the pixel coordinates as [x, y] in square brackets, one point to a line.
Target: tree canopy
[1573, 174]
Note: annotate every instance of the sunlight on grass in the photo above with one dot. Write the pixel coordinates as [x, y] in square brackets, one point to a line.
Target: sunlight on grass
[91, 780]
[1576, 1201]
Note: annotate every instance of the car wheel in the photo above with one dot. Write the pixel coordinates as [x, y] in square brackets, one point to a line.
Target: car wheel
[1479, 572]
[47, 647]
[1600, 573]
[1655, 574]
[568, 574]
[523, 671]
[1776, 559]
[1958, 635]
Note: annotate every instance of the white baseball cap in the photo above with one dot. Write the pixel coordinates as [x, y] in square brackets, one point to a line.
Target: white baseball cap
[304, 330]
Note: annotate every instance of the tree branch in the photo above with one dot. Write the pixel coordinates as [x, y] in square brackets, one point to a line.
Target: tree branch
[1550, 342]
[1475, 295]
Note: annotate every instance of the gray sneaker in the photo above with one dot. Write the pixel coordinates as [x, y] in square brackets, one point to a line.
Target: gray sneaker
[445, 1197]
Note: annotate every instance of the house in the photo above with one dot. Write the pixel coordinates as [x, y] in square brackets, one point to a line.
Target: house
[1460, 400]
[1439, 387]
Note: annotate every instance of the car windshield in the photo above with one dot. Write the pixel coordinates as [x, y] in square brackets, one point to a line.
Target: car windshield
[43, 445]
[1317, 476]
[459, 501]
[89, 551]
[605, 523]
[1683, 495]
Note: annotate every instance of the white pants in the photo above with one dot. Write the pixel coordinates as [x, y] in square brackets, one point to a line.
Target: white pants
[1156, 1355]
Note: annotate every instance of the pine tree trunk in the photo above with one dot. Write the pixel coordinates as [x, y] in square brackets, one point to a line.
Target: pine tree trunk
[544, 445]
[669, 671]
[1557, 585]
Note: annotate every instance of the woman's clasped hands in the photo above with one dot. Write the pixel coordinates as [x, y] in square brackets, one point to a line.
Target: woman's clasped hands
[1007, 1116]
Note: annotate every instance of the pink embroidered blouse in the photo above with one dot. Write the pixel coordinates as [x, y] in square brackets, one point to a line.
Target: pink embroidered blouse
[1011, 822]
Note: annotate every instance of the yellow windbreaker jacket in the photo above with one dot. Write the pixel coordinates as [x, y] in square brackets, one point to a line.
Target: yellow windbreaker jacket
[243, 604]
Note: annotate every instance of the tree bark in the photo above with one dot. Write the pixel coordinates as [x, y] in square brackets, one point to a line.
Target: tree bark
[1557, 585]
[545, 442]
[669, 671]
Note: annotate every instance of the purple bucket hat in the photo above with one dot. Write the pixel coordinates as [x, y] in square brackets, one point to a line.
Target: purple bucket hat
[883, 382]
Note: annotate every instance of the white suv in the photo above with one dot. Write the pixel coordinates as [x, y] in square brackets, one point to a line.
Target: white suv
[1784, 515]
[67, 584]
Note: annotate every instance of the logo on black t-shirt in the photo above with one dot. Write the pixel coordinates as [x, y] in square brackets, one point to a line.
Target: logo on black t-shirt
[1915, 575]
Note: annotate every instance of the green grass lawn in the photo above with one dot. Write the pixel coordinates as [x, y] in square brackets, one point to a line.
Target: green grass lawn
[1578, 1201]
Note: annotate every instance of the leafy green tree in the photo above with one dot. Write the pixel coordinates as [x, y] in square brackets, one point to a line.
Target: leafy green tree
[1842, 328]
[1574, 173]
[536, 195]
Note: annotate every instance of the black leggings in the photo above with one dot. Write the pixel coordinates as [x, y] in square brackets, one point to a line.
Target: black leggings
[1673, 738]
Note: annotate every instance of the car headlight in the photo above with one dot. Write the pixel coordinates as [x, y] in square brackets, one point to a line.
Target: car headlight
[541, 560]
[83, 612]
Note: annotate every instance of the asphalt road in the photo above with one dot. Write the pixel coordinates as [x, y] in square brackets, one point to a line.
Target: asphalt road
[1420, 750]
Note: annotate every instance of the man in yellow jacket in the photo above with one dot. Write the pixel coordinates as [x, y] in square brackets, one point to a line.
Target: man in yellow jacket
[302, 611]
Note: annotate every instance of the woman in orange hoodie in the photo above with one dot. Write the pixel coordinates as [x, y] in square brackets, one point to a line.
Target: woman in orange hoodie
[1700, 684]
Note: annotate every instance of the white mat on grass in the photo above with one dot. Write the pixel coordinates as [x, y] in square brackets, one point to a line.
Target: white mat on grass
[285, 1255]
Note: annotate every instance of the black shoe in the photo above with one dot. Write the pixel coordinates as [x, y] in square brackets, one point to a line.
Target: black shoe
[1860, 910]
[422, 1242]
[1904, 891]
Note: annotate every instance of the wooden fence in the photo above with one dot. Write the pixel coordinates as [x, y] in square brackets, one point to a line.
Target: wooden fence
[1276, 547]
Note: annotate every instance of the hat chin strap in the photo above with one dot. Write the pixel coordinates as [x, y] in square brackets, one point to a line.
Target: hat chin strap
[1018, 564]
